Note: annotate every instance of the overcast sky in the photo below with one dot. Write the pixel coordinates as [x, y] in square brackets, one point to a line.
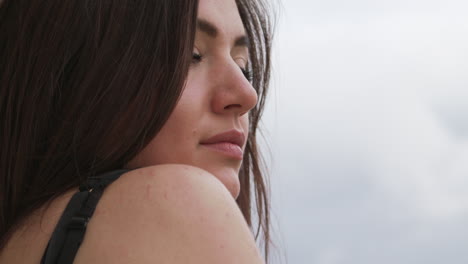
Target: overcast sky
[368, 128]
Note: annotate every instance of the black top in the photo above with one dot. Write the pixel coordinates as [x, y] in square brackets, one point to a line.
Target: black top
[71, 227]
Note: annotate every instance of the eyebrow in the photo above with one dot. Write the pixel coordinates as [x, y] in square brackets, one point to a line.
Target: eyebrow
[212, 31]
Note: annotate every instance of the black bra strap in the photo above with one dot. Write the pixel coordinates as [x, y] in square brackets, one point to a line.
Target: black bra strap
[70, 230]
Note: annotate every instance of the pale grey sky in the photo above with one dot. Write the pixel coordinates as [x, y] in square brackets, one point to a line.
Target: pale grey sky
[368, 127]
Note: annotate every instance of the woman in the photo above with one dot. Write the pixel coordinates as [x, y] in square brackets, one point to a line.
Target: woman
[156, 101]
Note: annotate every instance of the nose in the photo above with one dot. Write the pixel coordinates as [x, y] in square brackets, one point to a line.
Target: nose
[234, 93]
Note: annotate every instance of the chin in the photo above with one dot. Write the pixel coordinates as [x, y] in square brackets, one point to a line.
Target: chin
[229, 177]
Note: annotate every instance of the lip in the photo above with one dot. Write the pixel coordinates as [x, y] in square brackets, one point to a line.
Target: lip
[229, 143]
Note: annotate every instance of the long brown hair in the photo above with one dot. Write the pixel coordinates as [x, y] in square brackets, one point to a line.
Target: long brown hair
[258, 25]
[85, 85]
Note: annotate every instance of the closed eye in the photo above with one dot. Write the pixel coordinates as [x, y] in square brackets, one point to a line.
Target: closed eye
[197, 58]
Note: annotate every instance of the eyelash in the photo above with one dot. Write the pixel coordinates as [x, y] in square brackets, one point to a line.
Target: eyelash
[247, 74]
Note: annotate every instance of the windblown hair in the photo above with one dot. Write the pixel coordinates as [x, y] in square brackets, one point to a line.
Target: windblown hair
[86, 84]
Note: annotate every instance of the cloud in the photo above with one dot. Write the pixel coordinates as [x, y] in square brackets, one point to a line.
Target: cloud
[368, 132]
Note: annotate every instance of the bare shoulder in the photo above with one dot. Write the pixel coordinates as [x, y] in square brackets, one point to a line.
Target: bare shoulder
[168, 214]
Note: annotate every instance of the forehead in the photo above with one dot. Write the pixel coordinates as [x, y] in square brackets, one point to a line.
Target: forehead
[224, 15]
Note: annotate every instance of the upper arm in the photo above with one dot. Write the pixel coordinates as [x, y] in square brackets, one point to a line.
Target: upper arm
[168, 214]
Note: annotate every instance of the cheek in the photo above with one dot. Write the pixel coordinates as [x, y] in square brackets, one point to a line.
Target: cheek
[196, 89]
[181, 128]
[189, 108]
[177, 139]
[245, 122]
[174, 143]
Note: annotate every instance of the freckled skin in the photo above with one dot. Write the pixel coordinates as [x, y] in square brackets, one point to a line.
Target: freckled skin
[216, 98]
[148, 191]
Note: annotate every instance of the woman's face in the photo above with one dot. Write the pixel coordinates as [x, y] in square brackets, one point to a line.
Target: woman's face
[215, 100]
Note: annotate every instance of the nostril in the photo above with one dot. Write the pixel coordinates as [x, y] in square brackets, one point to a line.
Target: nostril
[231, 106]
